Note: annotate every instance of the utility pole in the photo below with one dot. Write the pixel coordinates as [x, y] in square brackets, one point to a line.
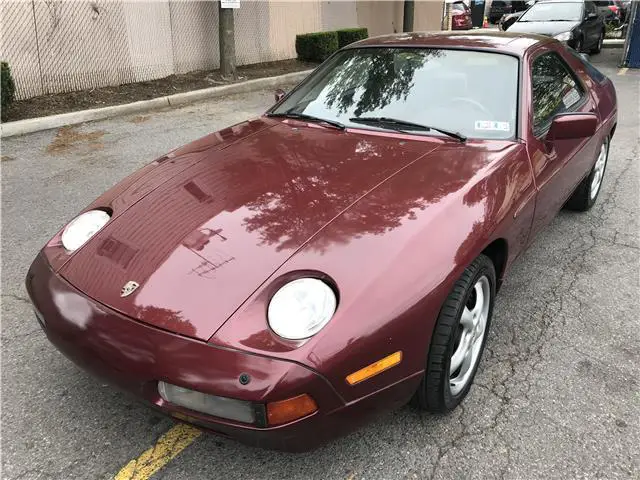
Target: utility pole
[407, 18]
[227, 43]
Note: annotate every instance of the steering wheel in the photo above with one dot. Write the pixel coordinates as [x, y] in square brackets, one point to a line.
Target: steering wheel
[475, 103]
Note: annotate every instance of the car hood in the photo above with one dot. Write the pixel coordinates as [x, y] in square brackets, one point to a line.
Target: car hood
[543, 28]
[206, 237]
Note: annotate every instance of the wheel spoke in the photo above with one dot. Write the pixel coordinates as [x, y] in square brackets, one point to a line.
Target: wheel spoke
[477, 309]
[479, 332]
[473, 323]
[466, 320]
[598, 170]
[457, 383]
[461, 353]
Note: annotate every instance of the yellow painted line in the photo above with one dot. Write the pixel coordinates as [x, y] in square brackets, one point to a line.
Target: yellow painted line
[623, 71]
[166, 449]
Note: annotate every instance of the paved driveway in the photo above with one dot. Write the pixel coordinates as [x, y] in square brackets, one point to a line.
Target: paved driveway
[557, 394]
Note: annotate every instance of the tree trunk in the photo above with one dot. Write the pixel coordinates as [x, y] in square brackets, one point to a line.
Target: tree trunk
[227, 43]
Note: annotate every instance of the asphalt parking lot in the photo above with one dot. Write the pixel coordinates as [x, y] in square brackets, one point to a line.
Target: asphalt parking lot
[557, 394]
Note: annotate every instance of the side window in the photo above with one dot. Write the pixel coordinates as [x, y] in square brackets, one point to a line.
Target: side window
[555, 89]
[595, 74]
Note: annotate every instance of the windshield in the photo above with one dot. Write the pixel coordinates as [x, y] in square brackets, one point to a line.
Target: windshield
[469, 92]
[553, 12]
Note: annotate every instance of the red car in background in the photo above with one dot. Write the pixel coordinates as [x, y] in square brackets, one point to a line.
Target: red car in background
[282, 280]
[460, 16]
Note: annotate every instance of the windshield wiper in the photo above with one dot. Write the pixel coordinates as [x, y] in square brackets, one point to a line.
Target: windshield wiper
[310, 118]
[400, 125]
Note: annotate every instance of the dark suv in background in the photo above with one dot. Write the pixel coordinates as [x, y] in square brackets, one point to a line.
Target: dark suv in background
[575, 23]
[499, 8]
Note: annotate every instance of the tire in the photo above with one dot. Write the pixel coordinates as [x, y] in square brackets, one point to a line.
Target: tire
[441, 391]
[579, 45]
[586, 193]
[598, 46]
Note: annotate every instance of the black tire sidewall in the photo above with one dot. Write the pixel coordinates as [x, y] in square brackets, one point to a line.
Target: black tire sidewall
[600, 42]
[589, 179]
[581, 200]
[598, 47]
[434, 392]
[451, 401]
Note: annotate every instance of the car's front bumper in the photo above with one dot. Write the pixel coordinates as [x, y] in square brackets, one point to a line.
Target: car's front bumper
[135, 356]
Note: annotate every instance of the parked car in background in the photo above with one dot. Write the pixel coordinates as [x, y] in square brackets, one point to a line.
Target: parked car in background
[499, 8]
[575, 23]
[623, 9]
[507, 20]
[460, 16]
[609, 10]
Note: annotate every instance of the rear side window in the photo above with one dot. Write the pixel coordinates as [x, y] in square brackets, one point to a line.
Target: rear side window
[555, 89]
[595, 74]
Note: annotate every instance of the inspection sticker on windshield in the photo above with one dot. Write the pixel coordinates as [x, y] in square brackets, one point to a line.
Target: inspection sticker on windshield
[493, 126]
[570, 98]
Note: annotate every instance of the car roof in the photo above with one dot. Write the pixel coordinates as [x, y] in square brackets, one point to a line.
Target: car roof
[508, 42]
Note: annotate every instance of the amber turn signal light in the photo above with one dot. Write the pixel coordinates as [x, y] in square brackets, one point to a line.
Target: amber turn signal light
[375, 368]
[291, 409]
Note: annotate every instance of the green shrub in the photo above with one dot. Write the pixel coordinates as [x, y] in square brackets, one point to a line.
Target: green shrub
[316, 47]
[350, 35]
[7, 88]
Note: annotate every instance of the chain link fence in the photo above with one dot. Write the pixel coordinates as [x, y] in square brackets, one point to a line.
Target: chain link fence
[57, 46]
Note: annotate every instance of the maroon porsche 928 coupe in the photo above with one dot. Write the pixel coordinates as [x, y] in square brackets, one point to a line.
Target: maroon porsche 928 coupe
[281, 280]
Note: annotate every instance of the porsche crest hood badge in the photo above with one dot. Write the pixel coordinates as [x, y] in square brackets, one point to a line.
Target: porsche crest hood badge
[129, 288]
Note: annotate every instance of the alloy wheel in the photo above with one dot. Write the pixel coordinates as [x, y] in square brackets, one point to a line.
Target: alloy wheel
[471, 333]
[598, 169]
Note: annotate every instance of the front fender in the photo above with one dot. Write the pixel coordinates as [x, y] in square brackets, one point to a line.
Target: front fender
[393, 279]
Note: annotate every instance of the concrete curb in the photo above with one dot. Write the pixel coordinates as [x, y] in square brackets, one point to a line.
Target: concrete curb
[613, 43]
[22, 127]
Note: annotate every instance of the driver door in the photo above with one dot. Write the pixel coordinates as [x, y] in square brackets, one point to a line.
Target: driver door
[560, 166]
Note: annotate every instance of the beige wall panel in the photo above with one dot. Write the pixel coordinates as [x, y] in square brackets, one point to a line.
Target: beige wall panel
[380, 17]
[338, 14]
[195, 35]
[82, 45]
[427, 15]
[149, 39]
[286, 20]
[19, 47]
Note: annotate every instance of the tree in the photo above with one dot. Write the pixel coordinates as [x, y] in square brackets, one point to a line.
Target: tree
[407, 17]
[227, 43]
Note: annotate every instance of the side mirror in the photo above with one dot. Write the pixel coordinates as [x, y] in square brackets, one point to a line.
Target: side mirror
[591, 16]
[572, 125]
[279, 94]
